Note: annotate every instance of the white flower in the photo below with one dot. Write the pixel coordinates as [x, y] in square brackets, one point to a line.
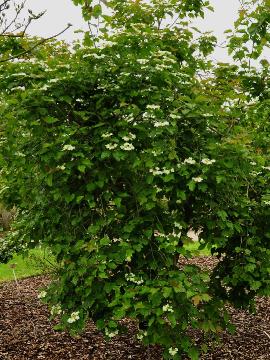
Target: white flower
[267, 202]
[111, 146]
[142, 61]
[127, 146]
[266, 167]
[56, 310]
[21, 88]
[253, 163]
[189, 161]
[197, 179]
[167, 308]
[106, 135]
[161, 123]
[208, 161]
[153, 107]
[61, 167]
[68, 147]
[173, 351]
[129, 137]
[73, 317]
[42, 294]
[111, 334]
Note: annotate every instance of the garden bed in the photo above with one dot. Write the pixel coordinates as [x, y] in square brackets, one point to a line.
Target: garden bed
[26, 333]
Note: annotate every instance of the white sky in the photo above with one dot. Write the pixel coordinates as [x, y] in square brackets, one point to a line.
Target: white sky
[61, 12]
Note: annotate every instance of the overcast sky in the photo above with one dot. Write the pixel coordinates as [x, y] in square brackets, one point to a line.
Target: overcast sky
[61, 12]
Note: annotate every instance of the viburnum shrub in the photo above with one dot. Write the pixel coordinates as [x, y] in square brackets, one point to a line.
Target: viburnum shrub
[114, 151]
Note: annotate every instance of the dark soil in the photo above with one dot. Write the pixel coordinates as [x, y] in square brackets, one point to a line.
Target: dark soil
[26, 333]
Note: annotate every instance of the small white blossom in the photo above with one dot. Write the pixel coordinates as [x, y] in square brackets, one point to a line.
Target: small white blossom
[42, 294]
[73, 317]
[197, 179]
[266, 167]
[56, 310]
[173, 351]
[253, 163]
[129, 137]
[189, 161]
[142, 61]
[267, 202]
[208, 161]
[111, 146]
[106, 135]
[60, 167]
[153, 107]
[68, 147]
[111, 334]
[161, 123]
[21, 88]
[127, 146]
[167, 308]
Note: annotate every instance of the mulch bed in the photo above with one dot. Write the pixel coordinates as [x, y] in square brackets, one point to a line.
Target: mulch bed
[26, 333]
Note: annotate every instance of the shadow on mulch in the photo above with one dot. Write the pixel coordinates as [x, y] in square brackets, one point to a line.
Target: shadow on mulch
[27, 334]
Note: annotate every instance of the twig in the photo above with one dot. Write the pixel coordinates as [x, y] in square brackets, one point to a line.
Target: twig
[35, 46]
[266, 334]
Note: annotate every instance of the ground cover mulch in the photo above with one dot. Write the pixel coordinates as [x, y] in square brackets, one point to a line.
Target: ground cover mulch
[26, 333]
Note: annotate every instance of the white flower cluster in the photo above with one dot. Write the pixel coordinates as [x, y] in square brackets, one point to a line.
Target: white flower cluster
[164, 171]
[128, 118]
[167, 308]
[106, 135]
[68, 147]
[111, 146]
[208, 161]
[197, 179]
[267, 202]
[42, 295]
[73, 317]
[173, 351]
[142, 61]
[266, 167]
[127, 146]
[20, 88]
[56, 310]
[190, 161]
[132, 278]
[161, 123]
[111, 334]
[153, 107]
[129, 137]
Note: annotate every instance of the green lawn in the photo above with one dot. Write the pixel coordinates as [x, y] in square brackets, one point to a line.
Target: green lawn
[34, 264]
[39, 260]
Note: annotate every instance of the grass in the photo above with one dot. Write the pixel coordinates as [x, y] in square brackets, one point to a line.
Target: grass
[24, 266]
[39, 260]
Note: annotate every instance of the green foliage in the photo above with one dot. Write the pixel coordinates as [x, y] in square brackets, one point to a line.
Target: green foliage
[115, 150]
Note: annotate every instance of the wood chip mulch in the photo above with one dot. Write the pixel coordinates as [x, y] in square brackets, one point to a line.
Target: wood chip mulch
[27, 334]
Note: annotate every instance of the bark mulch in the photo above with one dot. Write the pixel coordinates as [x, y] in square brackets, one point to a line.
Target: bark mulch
[26, 333]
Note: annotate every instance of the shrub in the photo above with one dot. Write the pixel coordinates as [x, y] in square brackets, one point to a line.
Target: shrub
[114, 151]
